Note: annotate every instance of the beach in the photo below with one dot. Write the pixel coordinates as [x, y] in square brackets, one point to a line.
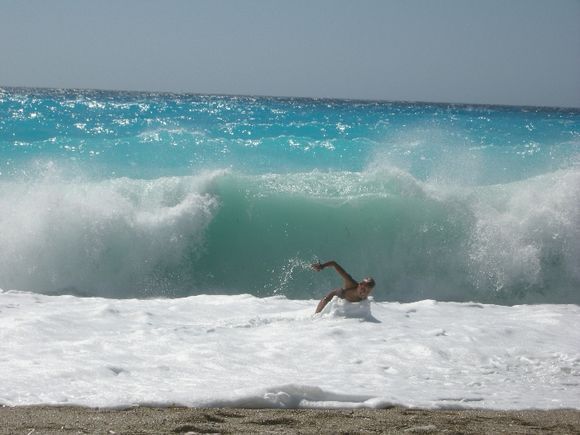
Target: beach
[156, 252]
[143, 420]
[326, 217]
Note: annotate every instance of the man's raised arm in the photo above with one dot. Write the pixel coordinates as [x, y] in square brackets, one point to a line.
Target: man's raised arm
[348, 280]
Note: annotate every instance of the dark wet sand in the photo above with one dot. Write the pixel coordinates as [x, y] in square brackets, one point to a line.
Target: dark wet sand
[57, 420]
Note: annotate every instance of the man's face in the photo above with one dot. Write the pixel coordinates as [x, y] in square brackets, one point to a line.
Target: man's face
[364, 290]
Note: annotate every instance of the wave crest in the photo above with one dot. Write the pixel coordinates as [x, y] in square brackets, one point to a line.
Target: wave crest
[224, 232]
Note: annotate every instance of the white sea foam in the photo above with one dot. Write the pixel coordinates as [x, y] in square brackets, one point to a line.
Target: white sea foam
[273, 352]
[57, 235]
[524, 229]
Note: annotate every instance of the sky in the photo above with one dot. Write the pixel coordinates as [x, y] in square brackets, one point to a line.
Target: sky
[516, 52]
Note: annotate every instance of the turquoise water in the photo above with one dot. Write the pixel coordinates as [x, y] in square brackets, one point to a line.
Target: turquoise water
[137, 195]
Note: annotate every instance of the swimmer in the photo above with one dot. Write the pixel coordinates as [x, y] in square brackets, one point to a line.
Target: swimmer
[352, 291]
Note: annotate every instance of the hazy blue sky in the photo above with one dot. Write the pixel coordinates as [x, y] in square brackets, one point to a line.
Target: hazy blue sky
[475, 51]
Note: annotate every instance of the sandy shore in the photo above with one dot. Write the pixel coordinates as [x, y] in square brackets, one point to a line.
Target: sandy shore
[57, 420]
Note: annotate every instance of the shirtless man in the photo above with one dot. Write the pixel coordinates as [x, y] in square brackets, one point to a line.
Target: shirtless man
[352, 291]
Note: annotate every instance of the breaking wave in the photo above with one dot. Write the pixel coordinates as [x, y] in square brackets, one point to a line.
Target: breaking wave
[226, 232]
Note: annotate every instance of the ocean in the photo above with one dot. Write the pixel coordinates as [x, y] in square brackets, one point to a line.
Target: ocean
[156, 249]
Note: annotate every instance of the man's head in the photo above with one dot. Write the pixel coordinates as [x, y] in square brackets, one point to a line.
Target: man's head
[365, 287]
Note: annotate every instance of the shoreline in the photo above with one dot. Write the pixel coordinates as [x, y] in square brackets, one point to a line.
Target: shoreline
[149, 420]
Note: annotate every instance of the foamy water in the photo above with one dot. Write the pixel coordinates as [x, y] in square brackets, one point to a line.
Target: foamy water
[155, 249]
[273, 352]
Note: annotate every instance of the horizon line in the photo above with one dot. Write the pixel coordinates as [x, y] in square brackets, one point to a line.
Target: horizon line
[288, 97]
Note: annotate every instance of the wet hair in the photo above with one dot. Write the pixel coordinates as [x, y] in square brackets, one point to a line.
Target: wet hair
[369, 282]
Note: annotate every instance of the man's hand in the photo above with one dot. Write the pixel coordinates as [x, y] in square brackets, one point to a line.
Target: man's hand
[317, 266]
